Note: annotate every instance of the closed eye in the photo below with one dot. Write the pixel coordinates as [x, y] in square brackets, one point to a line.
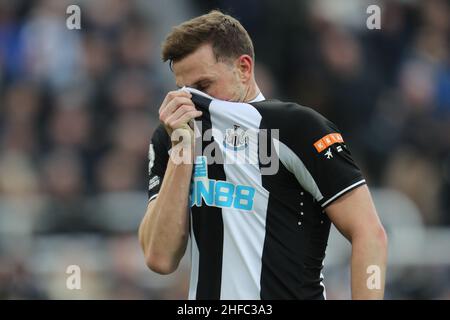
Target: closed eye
[202, 85]
[202, 88]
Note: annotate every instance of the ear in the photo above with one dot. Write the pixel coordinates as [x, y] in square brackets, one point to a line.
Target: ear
[245, 66]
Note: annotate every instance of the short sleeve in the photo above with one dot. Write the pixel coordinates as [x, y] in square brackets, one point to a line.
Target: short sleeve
[158, 156]
[314, 150]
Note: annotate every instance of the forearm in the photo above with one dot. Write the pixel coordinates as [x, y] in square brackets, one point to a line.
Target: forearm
[164, 230]
[368, 265]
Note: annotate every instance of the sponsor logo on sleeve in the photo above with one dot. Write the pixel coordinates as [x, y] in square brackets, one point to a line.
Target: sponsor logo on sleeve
[328, 140]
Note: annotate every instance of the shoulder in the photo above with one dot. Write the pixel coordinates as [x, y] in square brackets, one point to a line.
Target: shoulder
[291, 116]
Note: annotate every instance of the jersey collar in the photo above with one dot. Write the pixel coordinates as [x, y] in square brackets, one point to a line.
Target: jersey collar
[259, 97]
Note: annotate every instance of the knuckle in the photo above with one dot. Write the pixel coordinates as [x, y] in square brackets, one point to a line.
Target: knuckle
[177, 100]
[185, 108]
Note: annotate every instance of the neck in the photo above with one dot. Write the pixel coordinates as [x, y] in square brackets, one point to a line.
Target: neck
[252, 92]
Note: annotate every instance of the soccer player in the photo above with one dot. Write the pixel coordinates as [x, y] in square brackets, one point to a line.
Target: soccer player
[272, 244]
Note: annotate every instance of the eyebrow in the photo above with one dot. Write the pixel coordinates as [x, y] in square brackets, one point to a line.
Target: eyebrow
[200, 81]
[196, 83]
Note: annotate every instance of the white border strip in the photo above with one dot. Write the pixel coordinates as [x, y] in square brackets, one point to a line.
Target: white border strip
[152, 197]
[343, 191]
[200, 93]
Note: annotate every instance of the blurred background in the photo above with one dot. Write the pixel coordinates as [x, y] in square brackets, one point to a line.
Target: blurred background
[78, 107]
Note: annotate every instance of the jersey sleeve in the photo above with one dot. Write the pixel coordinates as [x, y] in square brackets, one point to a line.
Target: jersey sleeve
[158, 156]
[315, 151]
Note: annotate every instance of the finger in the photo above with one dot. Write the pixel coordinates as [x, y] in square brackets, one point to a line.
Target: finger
[173, 94]
[178, 114]
[173, 105]
[169, 96]
[180, 111]
[185, 118]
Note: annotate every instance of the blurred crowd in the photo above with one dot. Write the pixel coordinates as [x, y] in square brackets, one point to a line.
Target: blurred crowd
[78, 107]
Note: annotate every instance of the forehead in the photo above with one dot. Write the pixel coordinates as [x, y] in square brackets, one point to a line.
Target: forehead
[199, 64]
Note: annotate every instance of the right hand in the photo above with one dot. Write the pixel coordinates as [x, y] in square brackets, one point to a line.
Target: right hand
[177, 110]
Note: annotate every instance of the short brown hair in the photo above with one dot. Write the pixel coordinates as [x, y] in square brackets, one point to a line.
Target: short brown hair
[227, 36]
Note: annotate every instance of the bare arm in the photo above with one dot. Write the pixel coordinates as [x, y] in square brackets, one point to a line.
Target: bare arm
[354, 215]
[163, 232]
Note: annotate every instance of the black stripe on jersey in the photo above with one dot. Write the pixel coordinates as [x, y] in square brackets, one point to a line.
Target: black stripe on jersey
[201, 103]
[292, 253]
[208, 227]
[281, 230]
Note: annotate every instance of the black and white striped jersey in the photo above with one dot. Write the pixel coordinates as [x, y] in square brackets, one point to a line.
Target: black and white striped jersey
[264, 173]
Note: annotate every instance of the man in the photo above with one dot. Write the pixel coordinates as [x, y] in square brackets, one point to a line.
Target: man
[279, 253]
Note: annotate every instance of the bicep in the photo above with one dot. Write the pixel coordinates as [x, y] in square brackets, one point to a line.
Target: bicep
[354, 213]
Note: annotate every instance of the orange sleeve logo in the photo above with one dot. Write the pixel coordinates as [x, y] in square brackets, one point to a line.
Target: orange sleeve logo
[327, 141]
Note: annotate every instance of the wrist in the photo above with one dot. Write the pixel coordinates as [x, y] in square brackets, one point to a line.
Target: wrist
[182, 144]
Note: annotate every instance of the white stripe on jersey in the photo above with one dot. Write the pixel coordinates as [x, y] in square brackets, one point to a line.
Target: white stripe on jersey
[243, 231]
